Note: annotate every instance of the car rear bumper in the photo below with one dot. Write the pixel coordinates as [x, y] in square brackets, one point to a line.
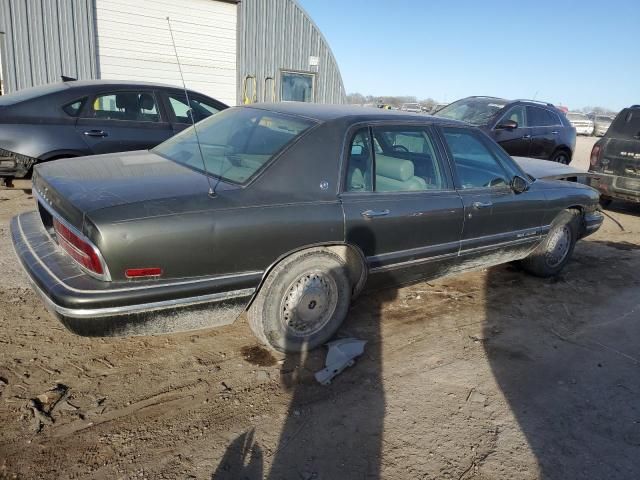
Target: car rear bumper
[91, 307]
[618, 187]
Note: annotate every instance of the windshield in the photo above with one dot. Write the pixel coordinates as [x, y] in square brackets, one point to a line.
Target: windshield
[31, 93]
[577, 116]
[235, 143]
[476, 111]
[626, 125]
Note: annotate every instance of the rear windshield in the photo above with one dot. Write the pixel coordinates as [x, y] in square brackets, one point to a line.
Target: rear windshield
[476, 111]
[235, 143]
[30, 93]
[626, 125]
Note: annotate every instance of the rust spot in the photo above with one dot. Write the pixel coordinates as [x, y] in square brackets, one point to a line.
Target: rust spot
[258, 355]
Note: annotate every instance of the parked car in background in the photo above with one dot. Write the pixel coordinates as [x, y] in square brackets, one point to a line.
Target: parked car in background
[615, 159]
[76, 118]
[581, 122]
[411, 107]
[524, 128]
[310, 202]
[601, 124]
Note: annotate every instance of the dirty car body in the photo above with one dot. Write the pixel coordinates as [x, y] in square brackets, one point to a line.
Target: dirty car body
[133, 243]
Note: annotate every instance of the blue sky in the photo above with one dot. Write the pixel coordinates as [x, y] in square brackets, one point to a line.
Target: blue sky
[575, 53]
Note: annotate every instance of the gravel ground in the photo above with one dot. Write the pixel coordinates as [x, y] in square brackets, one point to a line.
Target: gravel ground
[488, 375]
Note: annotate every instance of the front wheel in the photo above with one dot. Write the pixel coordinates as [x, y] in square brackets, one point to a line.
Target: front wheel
[302, 302]
[550, 257]
[562, 157]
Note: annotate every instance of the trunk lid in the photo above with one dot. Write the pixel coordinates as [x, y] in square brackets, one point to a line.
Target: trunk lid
[75, 187]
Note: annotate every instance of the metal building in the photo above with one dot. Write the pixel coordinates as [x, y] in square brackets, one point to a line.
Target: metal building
[236, 51]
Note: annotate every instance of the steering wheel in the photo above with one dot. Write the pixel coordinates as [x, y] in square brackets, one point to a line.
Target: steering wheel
[495, 182]
[400, 148]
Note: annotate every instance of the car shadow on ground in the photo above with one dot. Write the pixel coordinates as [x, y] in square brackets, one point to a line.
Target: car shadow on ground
[570, 376]
[329, 432]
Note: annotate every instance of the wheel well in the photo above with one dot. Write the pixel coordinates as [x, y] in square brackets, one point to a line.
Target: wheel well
[352, 256]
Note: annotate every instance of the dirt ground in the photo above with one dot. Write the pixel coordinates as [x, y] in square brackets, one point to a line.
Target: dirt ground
[488, 375]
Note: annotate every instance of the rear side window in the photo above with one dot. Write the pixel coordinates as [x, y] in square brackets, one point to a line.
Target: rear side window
[131, 106]
[476, 165]
[626, 124]
[73, 109]
[200, 109]
[540, 117]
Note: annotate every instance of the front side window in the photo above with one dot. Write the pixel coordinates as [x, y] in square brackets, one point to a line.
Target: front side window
[235, 143]
[402, 157]
[296, 87]
[130, 106]
[517, 115]
[199, 108]
[476, 165]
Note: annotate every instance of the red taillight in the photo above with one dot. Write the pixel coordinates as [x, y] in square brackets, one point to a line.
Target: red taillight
[595, 155]
[77, 248]
[143, 272]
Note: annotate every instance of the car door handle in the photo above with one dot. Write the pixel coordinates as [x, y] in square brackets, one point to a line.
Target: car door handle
[96, 133]
[555, 132]
[478, 205]
[375, 213]
[526, 136]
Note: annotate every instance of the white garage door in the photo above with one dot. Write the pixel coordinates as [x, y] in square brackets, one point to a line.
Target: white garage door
[134, 43]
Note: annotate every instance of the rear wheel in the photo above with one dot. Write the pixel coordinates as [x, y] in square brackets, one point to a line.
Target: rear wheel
[302, 302]
[555, 250]
[561, 156]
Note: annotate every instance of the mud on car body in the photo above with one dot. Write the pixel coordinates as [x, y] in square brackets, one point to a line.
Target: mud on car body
[308, 205]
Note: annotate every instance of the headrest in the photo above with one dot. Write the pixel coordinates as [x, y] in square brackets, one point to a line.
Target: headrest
[146, 101]
[395, 168]
[127, 101]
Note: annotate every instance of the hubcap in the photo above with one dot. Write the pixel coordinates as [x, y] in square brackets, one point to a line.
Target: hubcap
[559, 244]
[309, 303]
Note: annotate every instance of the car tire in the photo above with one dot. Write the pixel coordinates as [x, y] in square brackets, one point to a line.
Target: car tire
[550, 257]
[561, 156]
[302, 302]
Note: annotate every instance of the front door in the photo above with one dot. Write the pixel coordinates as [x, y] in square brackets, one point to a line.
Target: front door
[516, 141]
[121, 121]
[399, 203]
[499, 225]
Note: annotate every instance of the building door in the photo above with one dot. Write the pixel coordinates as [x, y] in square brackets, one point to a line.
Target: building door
[134, 43]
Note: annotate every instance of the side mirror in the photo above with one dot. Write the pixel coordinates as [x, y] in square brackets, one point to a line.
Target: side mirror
[507, 125]
[519, 184]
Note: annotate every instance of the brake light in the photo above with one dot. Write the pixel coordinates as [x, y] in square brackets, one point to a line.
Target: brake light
[81, 251]
[595, 155]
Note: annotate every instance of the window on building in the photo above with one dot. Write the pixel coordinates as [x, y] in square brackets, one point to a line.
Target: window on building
[296, 87]
[132, 106]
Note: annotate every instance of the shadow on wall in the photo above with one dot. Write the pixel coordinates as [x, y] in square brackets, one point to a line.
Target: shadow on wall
[330, 432]
[570, 373]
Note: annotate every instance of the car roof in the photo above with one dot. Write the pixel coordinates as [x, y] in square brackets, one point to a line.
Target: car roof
[329, 112]
[117, 83]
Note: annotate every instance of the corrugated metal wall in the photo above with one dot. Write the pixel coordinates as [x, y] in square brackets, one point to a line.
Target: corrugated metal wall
[275, 35]
[45, 39]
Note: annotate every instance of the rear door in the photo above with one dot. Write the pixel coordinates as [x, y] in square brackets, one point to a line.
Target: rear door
[544, 132]
[123, 120]
[182, 115]
[495, 218]
[516, 141]
[399, 203]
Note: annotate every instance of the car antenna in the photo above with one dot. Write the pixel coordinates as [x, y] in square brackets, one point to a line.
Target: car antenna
[212, 192]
